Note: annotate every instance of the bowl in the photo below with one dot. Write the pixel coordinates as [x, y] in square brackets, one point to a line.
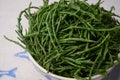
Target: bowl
[44, 75]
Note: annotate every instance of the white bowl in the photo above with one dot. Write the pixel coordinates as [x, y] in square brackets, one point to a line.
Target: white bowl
[50, 76]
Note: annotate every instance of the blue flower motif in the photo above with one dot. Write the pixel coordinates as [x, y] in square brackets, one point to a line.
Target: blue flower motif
[22, 55]
[10, 73]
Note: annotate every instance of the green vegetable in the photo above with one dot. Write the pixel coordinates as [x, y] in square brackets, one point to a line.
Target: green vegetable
[71, 38]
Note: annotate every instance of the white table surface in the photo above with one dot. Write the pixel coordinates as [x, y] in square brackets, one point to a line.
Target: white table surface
[22, 68]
